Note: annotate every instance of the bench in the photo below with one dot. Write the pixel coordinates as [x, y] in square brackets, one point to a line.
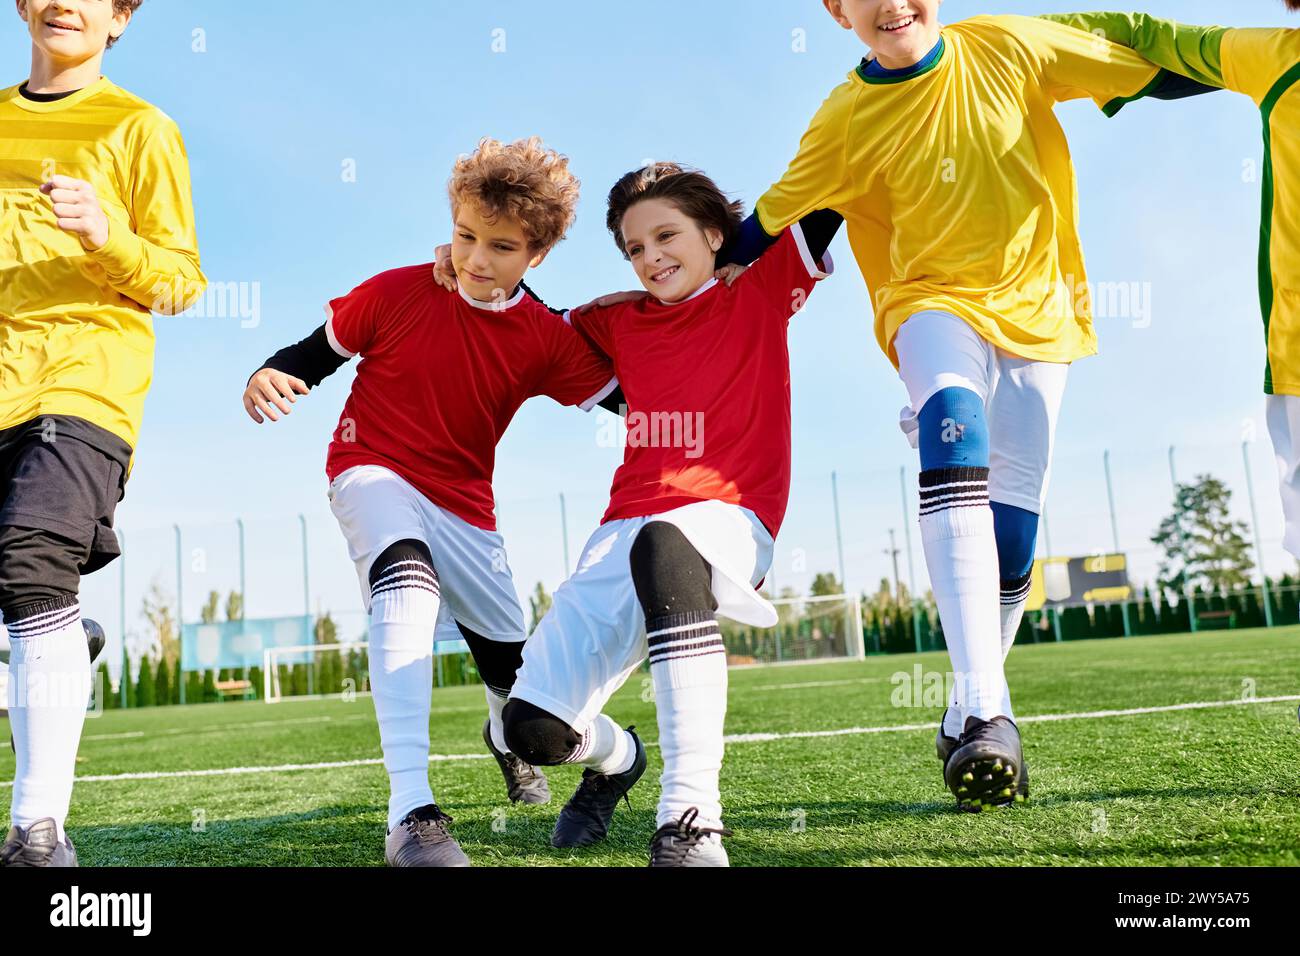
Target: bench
[242, 689]
[1216, 620]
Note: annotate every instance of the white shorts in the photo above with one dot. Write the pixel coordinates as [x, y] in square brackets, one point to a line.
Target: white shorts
[593, 637]
[1283, 414]
[1022, 399]
[375, 507]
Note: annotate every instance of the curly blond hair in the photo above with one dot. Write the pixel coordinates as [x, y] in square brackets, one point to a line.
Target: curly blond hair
[522, 180]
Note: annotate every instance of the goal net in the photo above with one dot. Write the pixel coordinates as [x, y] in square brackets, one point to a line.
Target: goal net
[820, 628]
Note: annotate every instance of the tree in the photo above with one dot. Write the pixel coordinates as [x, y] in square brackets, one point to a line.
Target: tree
[144, 689]
[1202, 544]
[234, 606]
[162, 637]
[162, 685]
[539, 602]
[825, 584]
[325, 631]
[104, 688]
[208, 613]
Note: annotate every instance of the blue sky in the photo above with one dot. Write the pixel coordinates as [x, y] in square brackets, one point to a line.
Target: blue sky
[276, 104]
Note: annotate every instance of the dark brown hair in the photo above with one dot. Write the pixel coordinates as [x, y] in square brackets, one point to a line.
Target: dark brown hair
[123, 6]
[693, 193]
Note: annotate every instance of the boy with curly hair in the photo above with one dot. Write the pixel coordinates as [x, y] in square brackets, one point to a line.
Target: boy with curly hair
[441, 375]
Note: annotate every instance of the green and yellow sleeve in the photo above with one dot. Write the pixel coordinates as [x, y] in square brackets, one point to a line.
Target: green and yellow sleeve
[1192, 51]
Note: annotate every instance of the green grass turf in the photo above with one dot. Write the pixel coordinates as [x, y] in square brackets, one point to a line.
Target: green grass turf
[1189, 787]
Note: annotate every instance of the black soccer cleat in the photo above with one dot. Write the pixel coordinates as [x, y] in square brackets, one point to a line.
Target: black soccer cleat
[585, 818]
[95, 641]
[38, 845]
[681, 844]
[423, 839]
[987, 769]
[524, 782]
[943, 744]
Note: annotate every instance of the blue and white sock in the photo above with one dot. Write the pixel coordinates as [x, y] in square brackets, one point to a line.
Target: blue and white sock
[1017, 531]
[961, 552]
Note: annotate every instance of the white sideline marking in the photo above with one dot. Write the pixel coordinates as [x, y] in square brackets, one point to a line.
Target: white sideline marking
[730, 738]
[219, 728]
[819, 683]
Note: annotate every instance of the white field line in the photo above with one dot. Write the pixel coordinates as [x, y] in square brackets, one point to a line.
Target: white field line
[818, 683]
[731, 739]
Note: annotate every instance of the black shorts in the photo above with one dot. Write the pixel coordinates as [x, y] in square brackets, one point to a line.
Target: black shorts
[63, 476]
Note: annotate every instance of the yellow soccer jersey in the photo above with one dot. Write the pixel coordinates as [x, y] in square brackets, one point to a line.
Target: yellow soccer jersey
[76, 334]
[957, 185]
[1264, 64]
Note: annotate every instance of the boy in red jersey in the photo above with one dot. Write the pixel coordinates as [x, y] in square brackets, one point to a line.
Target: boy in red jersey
[692, 516]
[410, 468]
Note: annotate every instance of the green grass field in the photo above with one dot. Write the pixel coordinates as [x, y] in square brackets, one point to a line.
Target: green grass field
[1193, 786]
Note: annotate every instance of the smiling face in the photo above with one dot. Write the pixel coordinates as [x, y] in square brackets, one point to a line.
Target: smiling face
[490, 256]
[70, 32]
[672, 254]
[899, 32]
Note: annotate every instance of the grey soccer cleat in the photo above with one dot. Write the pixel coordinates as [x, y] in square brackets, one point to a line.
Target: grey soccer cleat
[988, 768]
[684, 844]
[38, 845]
[524, 782]
[422, 839]
[95, 641]
[585, 818]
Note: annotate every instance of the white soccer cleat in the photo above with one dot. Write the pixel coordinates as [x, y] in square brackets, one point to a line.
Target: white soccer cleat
[684, 844]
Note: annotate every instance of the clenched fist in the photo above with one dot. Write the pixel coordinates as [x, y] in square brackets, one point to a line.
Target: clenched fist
[78, 210]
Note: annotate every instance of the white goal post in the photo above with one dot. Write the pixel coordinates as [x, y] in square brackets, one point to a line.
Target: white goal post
[809, 629]
[273, 693]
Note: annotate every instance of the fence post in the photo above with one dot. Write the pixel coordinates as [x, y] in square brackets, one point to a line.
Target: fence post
[911, 568]
[121, 621]
[839, 539]
[564, 534]
[180, 609]
[1182, 545]
[1259, 545]
[1114, 534]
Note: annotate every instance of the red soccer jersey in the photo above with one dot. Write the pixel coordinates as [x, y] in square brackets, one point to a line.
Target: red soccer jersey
[707, 383]
[440, 378]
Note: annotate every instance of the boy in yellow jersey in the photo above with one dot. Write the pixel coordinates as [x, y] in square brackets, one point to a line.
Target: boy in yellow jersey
[944, 157]
[1264, 64]
[96, 230]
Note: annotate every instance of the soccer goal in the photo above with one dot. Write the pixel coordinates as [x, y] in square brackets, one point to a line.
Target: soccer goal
[823, 628]
[315, 671]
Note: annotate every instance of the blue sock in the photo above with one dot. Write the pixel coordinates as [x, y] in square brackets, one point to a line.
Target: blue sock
[1016, 531]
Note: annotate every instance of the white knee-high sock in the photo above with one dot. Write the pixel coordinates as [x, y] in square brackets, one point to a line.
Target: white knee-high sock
[606, 747]
[688, 663]
[403, 612]
[1013, 595]
[49, 688]
[961, 556]
[496, 705]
